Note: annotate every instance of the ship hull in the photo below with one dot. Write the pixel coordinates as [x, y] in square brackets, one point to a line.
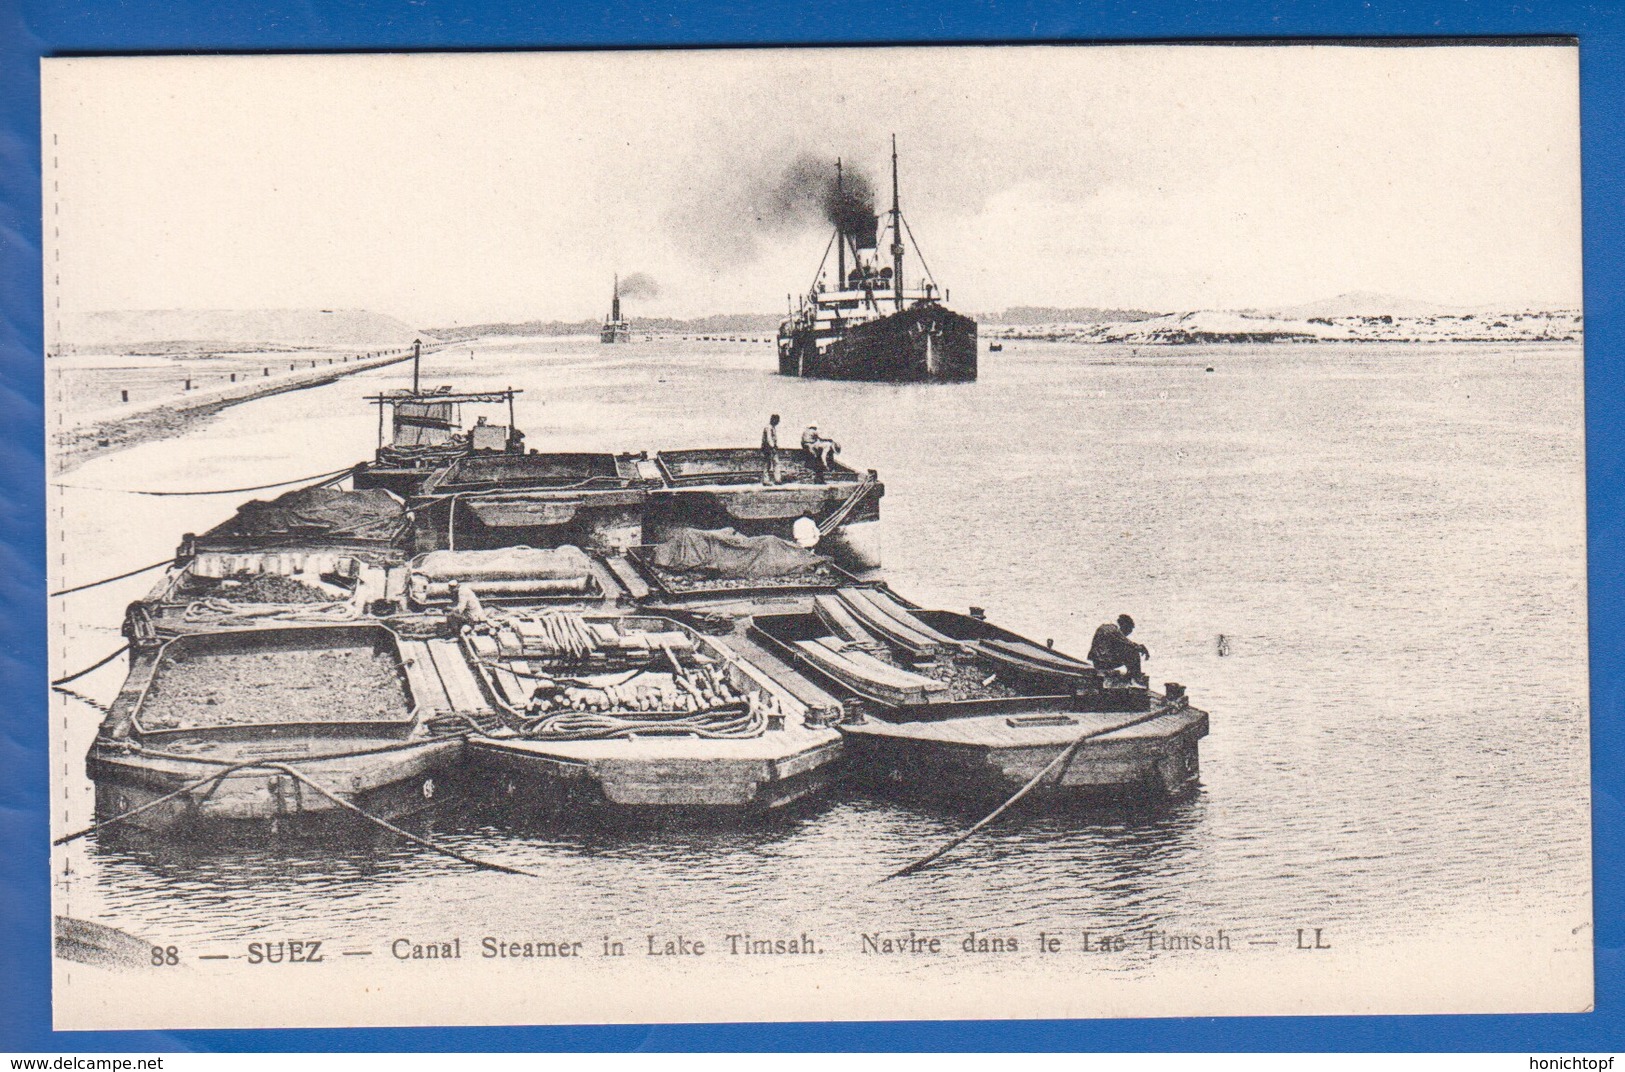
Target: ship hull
[923, 344]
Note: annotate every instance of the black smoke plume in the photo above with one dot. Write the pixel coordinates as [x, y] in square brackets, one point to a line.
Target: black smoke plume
[809, 191]
[640, 285]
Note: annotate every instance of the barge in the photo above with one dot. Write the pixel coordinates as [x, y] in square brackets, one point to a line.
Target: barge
[274, 730]
[950, 704]
[656, 716]
[652, 633]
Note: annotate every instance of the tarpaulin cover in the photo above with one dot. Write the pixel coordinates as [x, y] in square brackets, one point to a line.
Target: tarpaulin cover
[505, 564]
[725, 553]
[372, 513]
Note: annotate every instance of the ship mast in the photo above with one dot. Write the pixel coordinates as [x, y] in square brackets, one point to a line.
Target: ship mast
[896, 232]
[840, 241]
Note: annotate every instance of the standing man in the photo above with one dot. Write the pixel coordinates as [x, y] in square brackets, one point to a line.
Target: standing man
[1112, 649]
[770, 450]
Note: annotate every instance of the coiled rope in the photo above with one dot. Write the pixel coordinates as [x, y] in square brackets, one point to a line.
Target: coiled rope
[726, 722]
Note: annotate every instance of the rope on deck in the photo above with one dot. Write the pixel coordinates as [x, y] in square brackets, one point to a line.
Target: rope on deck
[322, 477]
[1055, 764]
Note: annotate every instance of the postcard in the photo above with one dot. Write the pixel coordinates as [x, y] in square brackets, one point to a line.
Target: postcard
[816, 534]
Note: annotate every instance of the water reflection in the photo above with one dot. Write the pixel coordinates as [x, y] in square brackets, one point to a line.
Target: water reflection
[1375, 550]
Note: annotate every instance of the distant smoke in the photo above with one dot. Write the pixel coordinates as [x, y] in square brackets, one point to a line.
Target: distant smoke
[746, 196]
[639, 285]
[809, 191]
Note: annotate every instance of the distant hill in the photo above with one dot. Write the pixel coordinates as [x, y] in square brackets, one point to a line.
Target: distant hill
[234, 327]
[1081, 314]
[1359, 303]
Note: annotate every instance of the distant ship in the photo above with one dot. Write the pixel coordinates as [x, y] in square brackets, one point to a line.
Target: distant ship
[615, 328]
[870, 324]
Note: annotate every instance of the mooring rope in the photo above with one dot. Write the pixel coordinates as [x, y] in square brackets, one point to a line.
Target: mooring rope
[109, 580]
[323, 477]
[101, 824]
[97, 665]
[1065, 754]
[392, 828]
[284, 768]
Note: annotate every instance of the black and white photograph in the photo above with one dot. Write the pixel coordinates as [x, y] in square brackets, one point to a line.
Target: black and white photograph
[811, 534]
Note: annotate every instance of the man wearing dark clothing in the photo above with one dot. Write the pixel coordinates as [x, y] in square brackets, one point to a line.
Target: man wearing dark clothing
[1113, 650]
[770, 451]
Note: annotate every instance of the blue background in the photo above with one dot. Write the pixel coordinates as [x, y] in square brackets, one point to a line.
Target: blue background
[29, 30]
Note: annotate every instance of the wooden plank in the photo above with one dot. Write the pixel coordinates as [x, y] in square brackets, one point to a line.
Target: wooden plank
[457, 677]
[840, 621]
[888, 605]
[788, 677]
[883, 624]
[1033, 653]
[628, 576]
[422, 677]
[869, 675]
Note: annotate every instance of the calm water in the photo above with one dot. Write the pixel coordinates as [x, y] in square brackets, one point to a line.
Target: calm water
[1389, 540]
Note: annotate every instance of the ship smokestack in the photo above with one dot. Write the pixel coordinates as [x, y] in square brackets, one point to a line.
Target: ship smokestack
[615, 302]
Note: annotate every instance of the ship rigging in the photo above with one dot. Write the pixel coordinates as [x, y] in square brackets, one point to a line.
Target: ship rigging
[868, 323]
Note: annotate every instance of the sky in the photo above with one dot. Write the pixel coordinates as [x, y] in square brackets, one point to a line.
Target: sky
[447, 189]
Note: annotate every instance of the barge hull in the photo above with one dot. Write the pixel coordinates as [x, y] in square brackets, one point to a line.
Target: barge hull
[977, 760]
[389, 785]
[541, 775]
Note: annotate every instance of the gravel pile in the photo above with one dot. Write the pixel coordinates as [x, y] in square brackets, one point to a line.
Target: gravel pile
[962, 674]
[270, 588]
[249, 688]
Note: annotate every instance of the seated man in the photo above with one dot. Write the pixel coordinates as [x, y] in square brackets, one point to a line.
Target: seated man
[820, 452]
[1113, 650]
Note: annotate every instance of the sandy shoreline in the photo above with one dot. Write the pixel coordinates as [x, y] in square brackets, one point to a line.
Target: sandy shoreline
[127, 426]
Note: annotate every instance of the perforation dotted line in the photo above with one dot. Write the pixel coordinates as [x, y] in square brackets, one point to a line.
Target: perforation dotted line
[62, 530]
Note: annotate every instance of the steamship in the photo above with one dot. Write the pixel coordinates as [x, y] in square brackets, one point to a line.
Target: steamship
[616, 328]
[867, 323]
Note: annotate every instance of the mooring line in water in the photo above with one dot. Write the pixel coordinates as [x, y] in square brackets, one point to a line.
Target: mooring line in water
[97, 665]
[323, 477]
[1065, 754]
[392, 828]
[283, 768]
[101, 824]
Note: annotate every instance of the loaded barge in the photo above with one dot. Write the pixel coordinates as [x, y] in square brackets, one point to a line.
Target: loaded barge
[653, 633]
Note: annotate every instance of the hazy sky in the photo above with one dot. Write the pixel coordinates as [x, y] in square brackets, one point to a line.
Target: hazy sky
[468, 188]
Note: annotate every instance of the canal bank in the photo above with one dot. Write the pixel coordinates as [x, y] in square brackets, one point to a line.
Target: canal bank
[126, 424]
